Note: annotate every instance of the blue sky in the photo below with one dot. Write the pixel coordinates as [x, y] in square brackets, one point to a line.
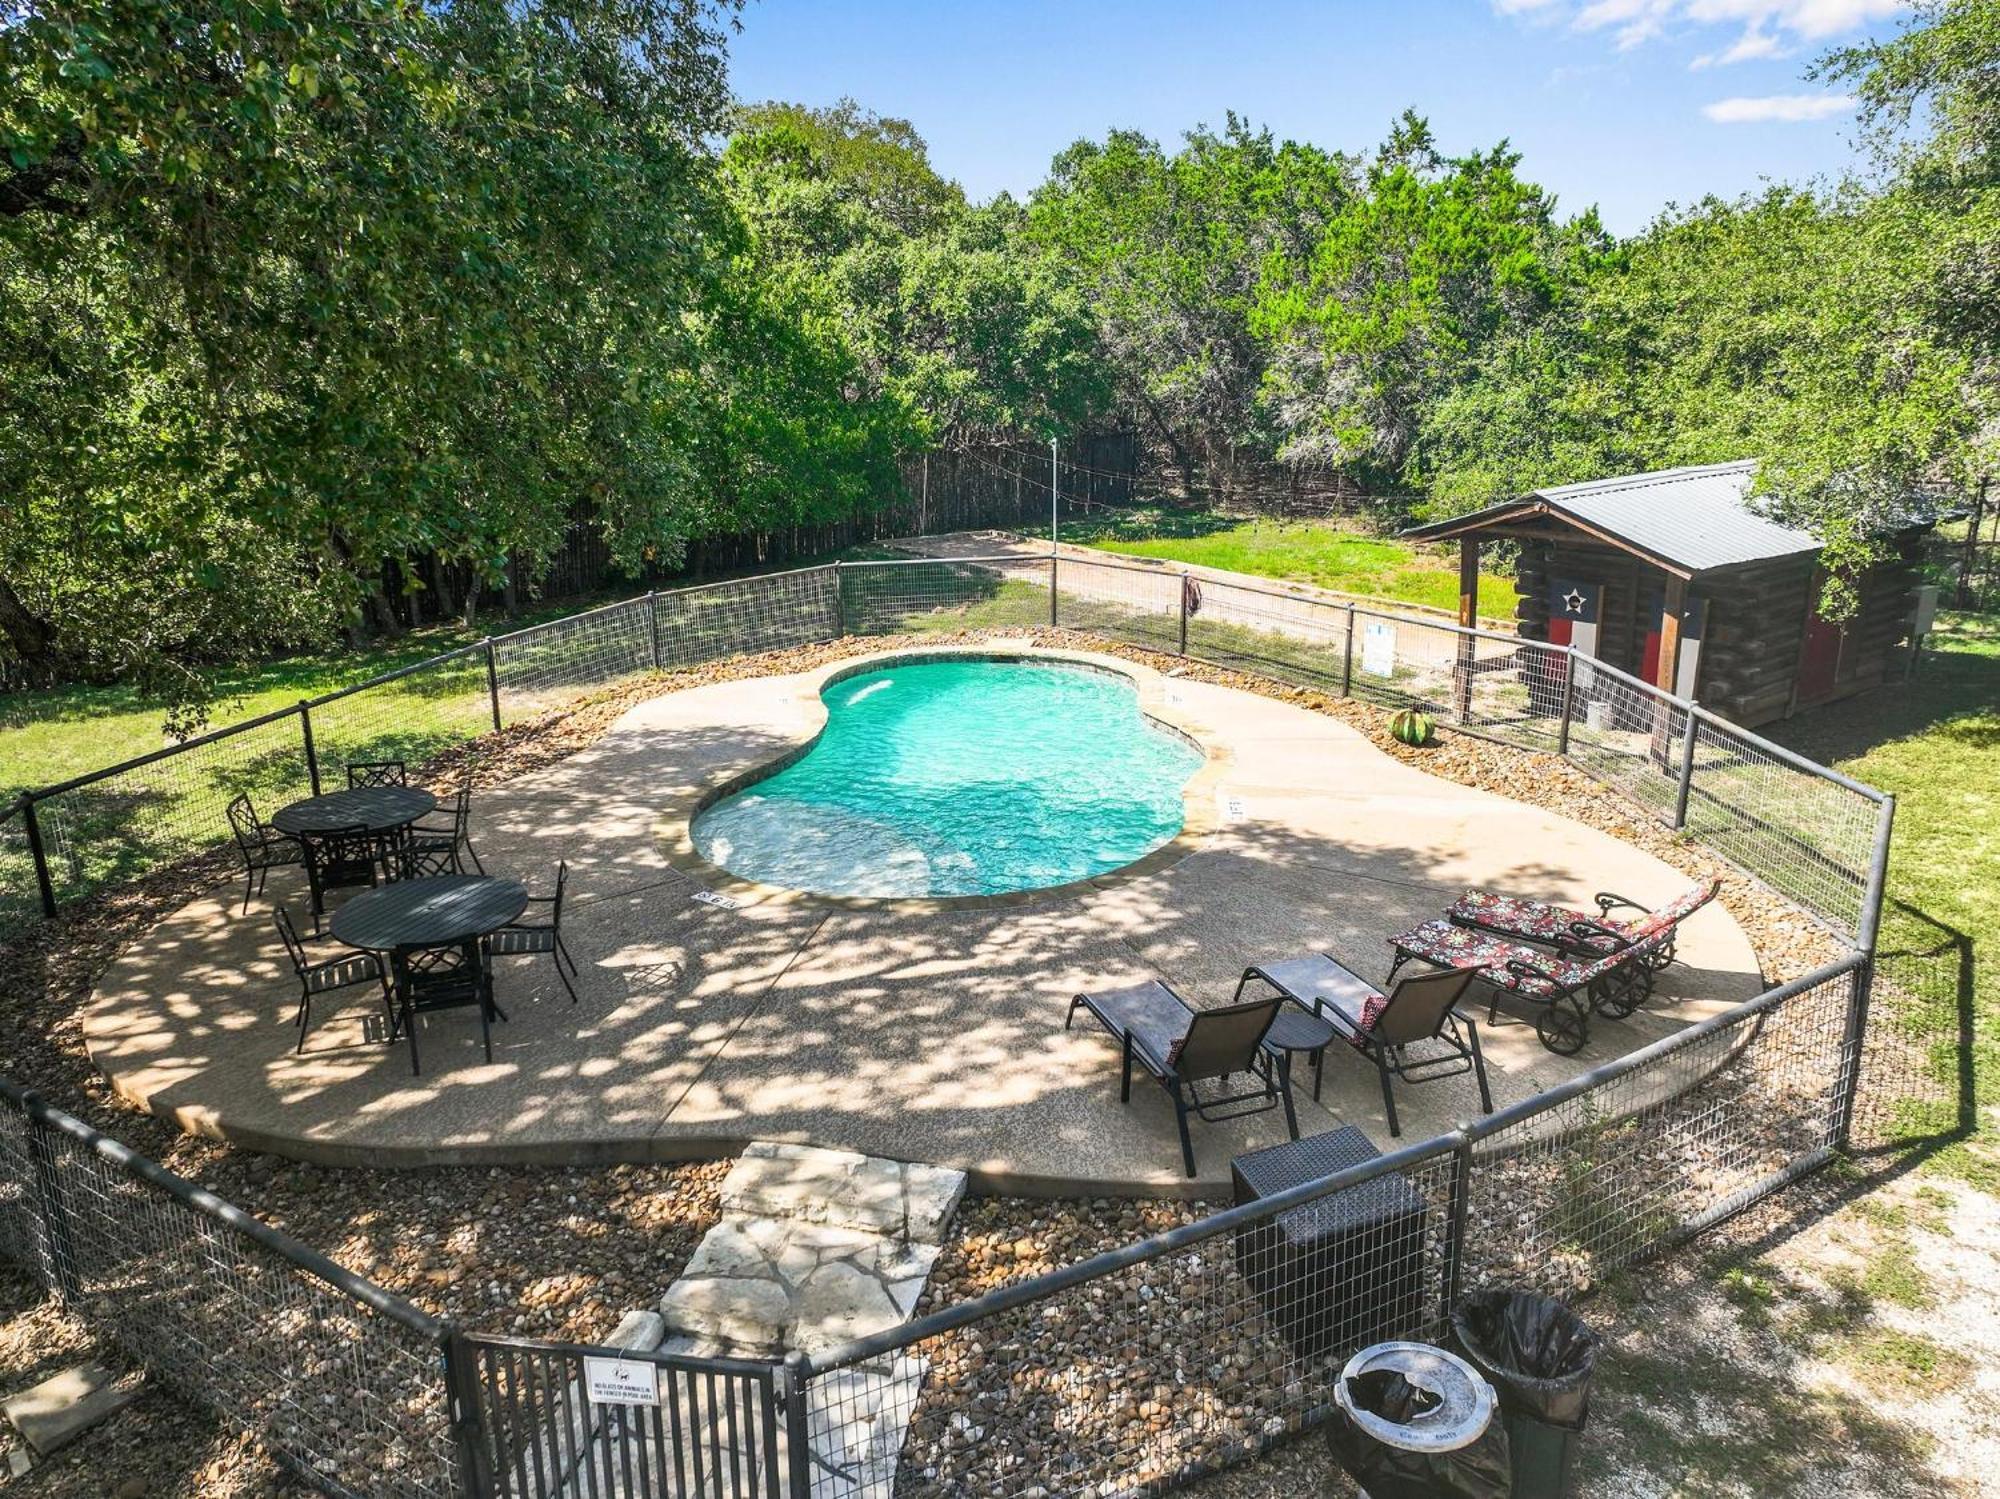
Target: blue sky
[1629, 104]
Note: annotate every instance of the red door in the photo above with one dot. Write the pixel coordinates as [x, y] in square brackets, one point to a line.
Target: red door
[1820, 667]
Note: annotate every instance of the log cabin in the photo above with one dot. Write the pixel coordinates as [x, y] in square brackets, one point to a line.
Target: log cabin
[1674, 577]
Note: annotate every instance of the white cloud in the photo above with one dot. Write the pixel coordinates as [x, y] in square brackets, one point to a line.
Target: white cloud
[1749, 47]
[1764, 28]
[1785, 108]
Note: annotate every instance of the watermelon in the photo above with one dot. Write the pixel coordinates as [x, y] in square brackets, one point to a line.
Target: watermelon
[1412, 726]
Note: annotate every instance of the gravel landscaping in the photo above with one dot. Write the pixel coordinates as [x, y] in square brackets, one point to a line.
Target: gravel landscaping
[563, 1253]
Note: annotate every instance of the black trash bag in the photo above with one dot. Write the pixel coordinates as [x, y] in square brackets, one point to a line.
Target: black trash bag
[1537, 1352]
[1477, 1471]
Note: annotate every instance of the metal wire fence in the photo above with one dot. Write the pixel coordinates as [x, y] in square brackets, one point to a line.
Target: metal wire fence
[340, 1381]
[1196, 1349]
[1803, 830]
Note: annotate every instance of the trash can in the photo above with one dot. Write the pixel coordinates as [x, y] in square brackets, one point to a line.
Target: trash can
[1541, 1357]
[1414, 1422]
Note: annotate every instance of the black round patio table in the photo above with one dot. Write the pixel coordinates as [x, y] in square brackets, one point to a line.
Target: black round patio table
[379, 809]
[418, 923]
[442, 911]
[381, 812]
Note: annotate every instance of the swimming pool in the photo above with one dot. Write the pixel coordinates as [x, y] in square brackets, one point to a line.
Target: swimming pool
[962, 776]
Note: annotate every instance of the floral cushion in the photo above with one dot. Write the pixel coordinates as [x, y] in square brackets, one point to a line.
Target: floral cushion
[1451, 946]
[1513, 915]
[1371, 1011]
[1674, 912]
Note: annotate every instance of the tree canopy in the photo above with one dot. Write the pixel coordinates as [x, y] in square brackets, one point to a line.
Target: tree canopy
[300, 305]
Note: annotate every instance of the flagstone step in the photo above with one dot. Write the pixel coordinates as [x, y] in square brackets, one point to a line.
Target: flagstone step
[843, 1189]
[768, 1285]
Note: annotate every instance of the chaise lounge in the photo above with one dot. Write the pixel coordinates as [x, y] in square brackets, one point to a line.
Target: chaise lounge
[1568, 990]
[1182, 1048]
[1573, 933]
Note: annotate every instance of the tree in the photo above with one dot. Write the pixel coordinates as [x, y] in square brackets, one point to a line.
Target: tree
[1170, 251]
[293, 289]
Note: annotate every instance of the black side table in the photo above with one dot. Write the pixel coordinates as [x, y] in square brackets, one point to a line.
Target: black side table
[1343, 1270]
[1298, 1029]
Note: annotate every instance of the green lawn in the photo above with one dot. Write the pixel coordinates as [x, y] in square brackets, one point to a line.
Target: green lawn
[1324, 553]
[1935, 743]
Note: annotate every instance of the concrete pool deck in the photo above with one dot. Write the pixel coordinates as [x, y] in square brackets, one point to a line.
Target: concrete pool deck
[912, 1030]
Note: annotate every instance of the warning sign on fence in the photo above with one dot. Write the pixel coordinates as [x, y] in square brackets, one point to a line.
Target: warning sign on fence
[617, 1381]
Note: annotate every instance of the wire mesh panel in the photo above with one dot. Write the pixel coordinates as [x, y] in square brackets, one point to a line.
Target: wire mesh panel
[1627, 735]
[23, 1240]
[700, 1428]
[1807, 837]
[410, 716]
[547, 664]
[938, 598]
[1121, 601]
[1409, 662]
[1273, 634]
[126, 825]
[1511, 690]
[347, 1395]
[1220, 1341]
[1593, 1181]
[747, 616]
[20, 894]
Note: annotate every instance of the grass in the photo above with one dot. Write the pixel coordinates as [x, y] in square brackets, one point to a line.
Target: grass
[1935, 743]
[1324, 553]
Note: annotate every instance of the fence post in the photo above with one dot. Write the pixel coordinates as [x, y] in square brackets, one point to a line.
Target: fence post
[1052, 588]
[798, 1425]
[58, 1242]
[44, 885]
[1184, 612]
[1461, 1209]
[653, 625]
[461, 1381]
[312, 749]
[1347, 657]
[839, 602]
[1687, 770]
[1867, 931]
[1569, 699]
[493, 682]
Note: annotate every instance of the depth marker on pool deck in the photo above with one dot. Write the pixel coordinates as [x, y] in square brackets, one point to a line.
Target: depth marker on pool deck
[718, 899]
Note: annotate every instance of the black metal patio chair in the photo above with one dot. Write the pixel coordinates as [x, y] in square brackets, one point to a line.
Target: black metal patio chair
[326, 975]
[412, 859]
[1182, 1048]
[341, 859]
[443, 978]
[1413, 1032]
[453, 837]
[262, 846]
[526, 939]
[377, 773]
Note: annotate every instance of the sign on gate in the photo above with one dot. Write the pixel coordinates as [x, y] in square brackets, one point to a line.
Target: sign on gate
[617, 1381]
[1378, 648]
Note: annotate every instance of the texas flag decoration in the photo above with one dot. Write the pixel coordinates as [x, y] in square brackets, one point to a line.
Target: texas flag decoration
[1574, 607]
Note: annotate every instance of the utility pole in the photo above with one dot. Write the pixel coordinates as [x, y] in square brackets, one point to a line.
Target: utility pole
[1054, 494]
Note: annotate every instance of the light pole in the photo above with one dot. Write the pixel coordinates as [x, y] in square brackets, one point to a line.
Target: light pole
[1054, 494]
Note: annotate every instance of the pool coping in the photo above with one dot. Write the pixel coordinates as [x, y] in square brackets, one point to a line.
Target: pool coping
[1199, 814]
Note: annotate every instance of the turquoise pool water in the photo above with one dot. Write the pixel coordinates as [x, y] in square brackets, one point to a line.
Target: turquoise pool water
[960, 777]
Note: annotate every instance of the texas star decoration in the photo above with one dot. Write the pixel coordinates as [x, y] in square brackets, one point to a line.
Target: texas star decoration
[1573, 601]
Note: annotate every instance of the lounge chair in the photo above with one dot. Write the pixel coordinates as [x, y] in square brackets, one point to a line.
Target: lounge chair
[1574, 934]
[1182, 1048]
[1568, 990]
[1382, 1027]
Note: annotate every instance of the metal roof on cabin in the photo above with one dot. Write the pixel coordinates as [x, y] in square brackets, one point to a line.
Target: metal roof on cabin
[1691, 518]
[1697, 517]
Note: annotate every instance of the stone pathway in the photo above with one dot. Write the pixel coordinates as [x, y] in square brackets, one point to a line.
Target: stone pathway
[815, 1249]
